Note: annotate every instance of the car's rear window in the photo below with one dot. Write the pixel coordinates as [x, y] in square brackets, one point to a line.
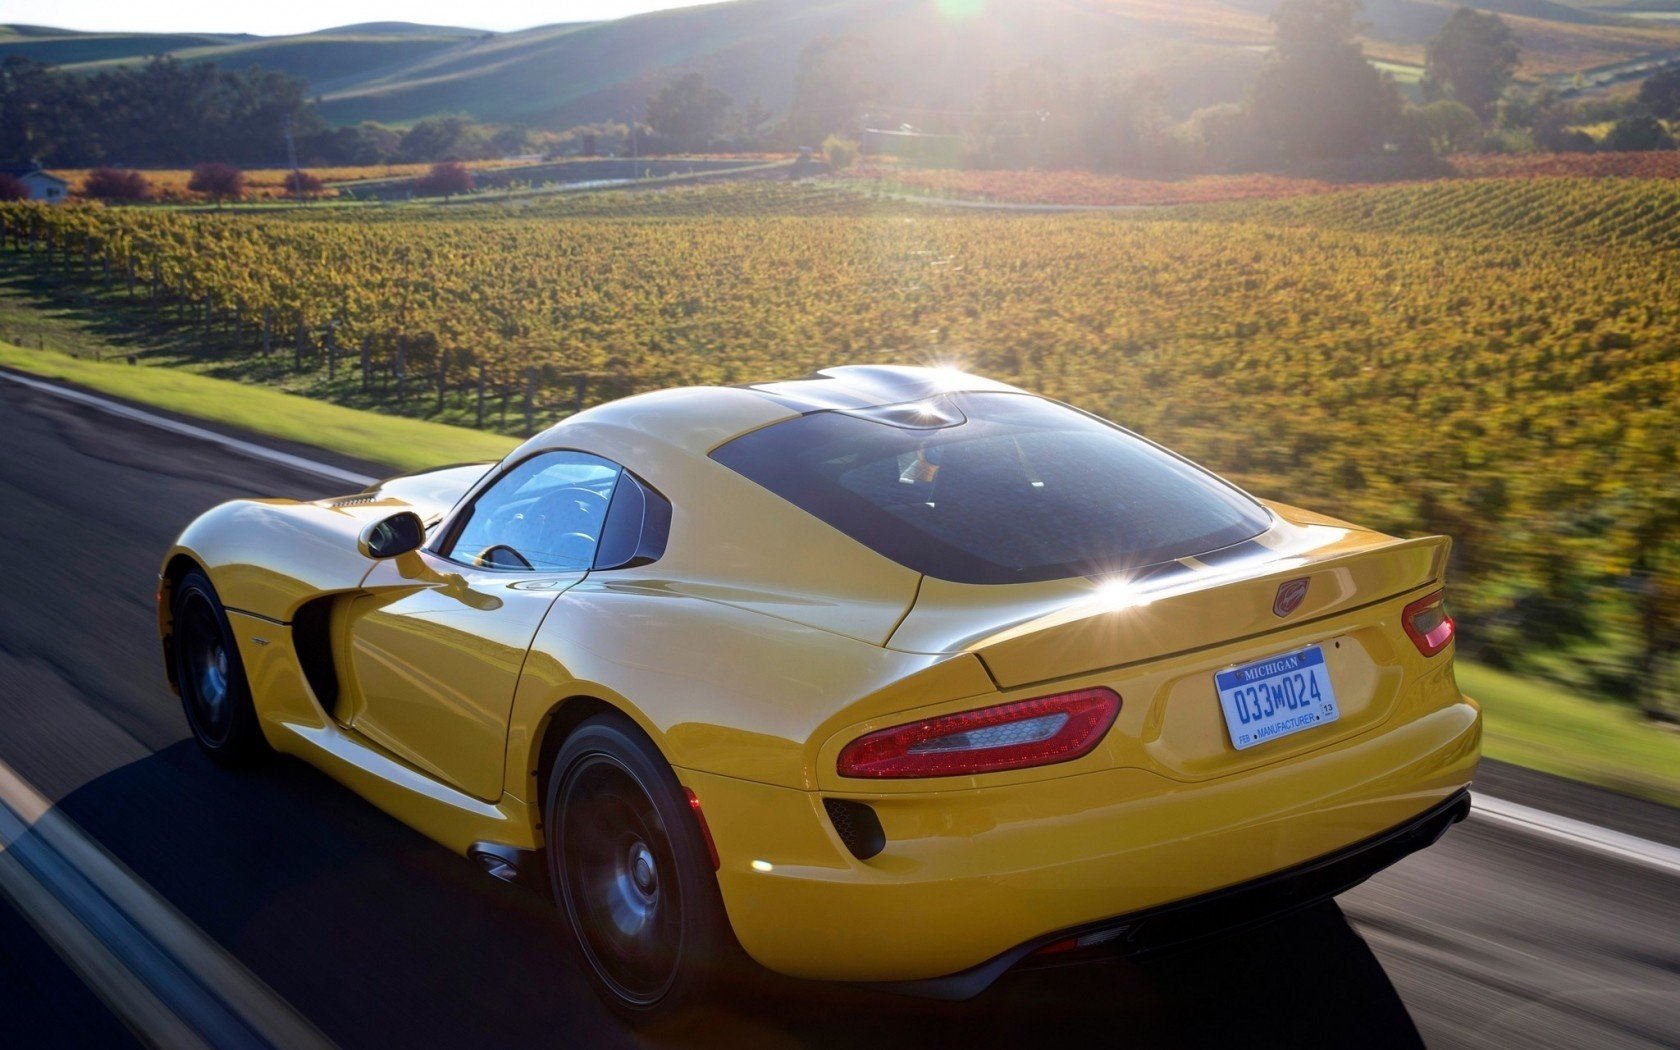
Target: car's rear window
[995, 488]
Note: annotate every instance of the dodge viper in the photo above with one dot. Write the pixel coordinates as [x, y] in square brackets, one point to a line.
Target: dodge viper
[889, 675]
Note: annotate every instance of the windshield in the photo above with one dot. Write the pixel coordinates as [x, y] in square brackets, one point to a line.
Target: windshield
[995, 488]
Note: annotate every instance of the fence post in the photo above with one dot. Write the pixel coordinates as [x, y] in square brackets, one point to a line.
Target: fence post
[401, 368]
[530, 391]
[332, 349]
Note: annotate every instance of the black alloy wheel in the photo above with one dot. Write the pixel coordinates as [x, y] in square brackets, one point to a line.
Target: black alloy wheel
[632, 874]
[210, 675]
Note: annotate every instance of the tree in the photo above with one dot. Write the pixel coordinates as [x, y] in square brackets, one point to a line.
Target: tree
[163, 112]
[1317, 96]
[511, 141]
[1471, 59]
[1661, 94]
[687, 111]
[219, 182]
[116, 184]
[830, 89]
[12, 188]
[361, 144]
[446, 179]
[302, 184]
[442, 138]
[1635, 134]
[1447, 126]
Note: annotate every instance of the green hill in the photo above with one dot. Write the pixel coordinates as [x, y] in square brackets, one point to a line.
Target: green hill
[563, 75]
[67, 47]
[323, 58]
[930, 54]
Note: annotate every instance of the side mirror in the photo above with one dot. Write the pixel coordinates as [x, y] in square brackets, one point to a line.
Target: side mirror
[398, 534]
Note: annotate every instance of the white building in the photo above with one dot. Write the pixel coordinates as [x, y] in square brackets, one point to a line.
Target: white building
[42, 185]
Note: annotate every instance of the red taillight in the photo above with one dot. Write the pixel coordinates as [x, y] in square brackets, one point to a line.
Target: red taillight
[1427, 623]
[705, 829]
[1035, 732]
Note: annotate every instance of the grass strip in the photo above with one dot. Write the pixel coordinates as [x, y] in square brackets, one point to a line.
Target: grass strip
[407, 444]
[1534, 723]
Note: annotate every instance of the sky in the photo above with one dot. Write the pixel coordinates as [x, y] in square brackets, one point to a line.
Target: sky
[267, 17]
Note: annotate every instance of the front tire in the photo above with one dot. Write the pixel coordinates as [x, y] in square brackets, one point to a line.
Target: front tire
[632, 875]
[211, 677]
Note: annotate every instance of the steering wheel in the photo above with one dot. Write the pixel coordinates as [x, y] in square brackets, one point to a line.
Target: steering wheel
[561, 525]
[501, 556]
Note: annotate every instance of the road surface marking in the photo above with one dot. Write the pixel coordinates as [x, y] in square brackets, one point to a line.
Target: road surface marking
[1578, 833]
[1522, 818]
[158, 971]
[169, 981]
[98, 967]
[174, 426]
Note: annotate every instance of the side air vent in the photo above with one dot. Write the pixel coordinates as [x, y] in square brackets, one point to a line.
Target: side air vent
[858, 827]
[312, 639]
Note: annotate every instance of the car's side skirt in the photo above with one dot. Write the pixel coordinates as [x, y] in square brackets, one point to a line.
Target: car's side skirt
[457, 820]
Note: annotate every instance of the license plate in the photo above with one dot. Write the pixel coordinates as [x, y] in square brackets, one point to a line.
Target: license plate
[1277, 696]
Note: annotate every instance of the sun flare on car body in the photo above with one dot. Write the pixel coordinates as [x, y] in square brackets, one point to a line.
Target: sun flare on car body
[888, 675]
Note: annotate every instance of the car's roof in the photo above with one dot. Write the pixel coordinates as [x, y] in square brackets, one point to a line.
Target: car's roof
[701, 418]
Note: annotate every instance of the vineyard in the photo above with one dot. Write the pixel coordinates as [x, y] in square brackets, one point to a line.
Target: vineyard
[1590, 213]
[1095, 189]
[1498, 360]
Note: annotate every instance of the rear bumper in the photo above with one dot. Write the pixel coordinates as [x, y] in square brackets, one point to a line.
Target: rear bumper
[1212, 914]
[969, 877]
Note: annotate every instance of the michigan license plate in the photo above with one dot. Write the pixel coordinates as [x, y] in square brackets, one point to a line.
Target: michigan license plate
[1277, 696]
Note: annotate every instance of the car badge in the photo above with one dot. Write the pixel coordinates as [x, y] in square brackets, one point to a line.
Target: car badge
[1289, 596]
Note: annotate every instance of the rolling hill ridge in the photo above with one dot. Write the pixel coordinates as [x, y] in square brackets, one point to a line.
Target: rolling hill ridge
[556, 76]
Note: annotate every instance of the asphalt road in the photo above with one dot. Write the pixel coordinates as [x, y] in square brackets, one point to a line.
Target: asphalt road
[1494, 937]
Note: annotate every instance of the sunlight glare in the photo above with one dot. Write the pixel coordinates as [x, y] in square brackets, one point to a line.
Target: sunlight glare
[958, 9]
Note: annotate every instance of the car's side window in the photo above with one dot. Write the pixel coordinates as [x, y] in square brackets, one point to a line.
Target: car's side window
[544, 515]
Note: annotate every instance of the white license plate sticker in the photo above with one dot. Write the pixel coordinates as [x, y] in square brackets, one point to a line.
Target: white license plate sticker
[1277, 696]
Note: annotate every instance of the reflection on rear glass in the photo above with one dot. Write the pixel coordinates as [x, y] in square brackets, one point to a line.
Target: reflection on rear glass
[996, 488]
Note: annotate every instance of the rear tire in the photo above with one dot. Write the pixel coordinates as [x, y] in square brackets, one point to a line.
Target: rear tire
[632, 875]
[214, 692]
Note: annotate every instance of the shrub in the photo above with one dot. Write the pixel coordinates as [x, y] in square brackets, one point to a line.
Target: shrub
[446, 179]
[303, 184]
[219, 182]
[1632, 134]
[1447, 126]
[116, 184]
[1554, 136]
[12, 188]
[841, 153]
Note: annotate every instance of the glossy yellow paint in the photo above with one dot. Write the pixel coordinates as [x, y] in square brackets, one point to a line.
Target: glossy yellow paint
[295, 723]
[435, 649]
[972, 873]
[763, 641]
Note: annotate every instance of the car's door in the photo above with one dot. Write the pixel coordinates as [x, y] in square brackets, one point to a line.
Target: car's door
[437, 642]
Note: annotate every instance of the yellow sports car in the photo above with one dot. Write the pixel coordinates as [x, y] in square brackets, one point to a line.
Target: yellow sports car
[888, 675]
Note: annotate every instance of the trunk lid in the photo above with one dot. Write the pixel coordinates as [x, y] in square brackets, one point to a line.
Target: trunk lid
[1160, 638]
